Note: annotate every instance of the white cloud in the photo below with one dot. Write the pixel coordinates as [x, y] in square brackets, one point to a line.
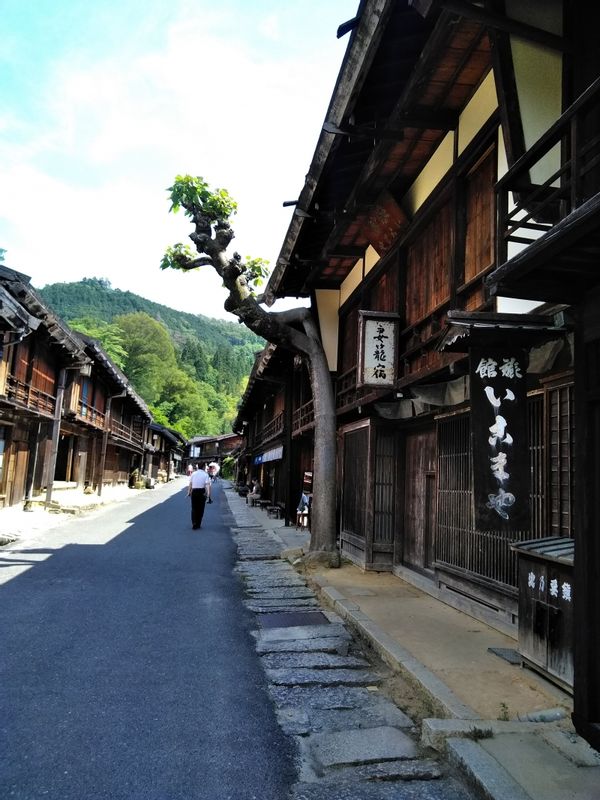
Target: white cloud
[83, 193]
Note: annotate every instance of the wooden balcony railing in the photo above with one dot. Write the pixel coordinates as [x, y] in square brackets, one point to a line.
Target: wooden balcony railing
[348, 394]
[303, 418]
[125, 432]
[91, 415]
[554, 177]
[29, 397]
[273, 428]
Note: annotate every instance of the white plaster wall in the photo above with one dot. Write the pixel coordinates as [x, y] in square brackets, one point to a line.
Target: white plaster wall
[328, 305]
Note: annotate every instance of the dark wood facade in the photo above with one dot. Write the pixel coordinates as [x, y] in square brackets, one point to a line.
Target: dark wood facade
[458, 210]
[67, 413]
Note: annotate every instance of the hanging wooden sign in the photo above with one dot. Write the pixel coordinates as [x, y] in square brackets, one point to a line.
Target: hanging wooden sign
[378, 336]
[500, 449]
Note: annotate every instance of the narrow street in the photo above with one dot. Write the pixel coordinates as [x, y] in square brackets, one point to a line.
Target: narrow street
[147, 661]
[127, 667]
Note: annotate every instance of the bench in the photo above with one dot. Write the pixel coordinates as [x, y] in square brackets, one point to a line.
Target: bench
[276, 511]
[263, 503]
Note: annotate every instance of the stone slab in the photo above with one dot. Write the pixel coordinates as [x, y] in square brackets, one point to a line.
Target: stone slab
[292, 602]
[346, 748]
[279, 609]
[419, 770]
[284, 592]
[302, 632]
[256, 555]
[445, 789]
[321, 677]
[540, 770]
[301, 722]
[327, 697]
[483, 771]
[572, 747]
[312, 660]
[292, 617]
[267, 583]
[320, 644]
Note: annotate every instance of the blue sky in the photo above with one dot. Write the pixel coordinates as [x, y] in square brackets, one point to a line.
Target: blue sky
[105, 101]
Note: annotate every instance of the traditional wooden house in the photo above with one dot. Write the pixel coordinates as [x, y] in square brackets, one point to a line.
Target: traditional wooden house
[40, 358]
[206, 449]
[164, 453]
[264, 420]
[429, 229]
[67, 413]
[114, 418]
[548, 247]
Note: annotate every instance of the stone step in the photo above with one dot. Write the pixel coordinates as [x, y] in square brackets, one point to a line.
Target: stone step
[356, 747]
[321, 677]
[312, 660]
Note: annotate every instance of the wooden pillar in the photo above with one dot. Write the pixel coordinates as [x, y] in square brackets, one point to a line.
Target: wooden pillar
[586, 590]
[34, 448]
[55, 433]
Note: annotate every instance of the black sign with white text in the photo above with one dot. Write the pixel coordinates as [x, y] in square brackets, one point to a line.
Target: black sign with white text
[501, 475]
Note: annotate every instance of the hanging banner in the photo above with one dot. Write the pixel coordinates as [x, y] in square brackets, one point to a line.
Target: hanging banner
[378, 332]
[501, 475]
[271, 455]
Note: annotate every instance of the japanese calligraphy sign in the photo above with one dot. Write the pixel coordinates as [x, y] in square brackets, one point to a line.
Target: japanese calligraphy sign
[499, 438]
[377, 352]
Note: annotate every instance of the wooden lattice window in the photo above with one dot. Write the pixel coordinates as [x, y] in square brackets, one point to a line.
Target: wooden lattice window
[561, 460]
[384, 292]
[428, 267]
[480, 217]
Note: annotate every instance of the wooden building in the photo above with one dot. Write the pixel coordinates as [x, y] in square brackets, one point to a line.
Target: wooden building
[67, 413]
[206, 449]
[264, 423]
[163, 453]
[106, 419]
[446, 236]
[40, 358]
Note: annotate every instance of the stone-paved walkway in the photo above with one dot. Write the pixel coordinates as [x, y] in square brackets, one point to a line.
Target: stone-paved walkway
[353, 743]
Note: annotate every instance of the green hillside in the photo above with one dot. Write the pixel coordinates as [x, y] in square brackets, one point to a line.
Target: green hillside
[190, 369]
[94, 297]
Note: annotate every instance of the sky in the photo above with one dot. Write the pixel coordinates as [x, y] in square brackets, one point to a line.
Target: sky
[104, 102]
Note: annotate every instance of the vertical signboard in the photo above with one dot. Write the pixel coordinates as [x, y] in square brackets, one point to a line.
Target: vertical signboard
[501, 475]
[377, 349]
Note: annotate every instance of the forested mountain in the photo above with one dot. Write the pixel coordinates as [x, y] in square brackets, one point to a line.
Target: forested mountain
[95, 297]
[191, 370]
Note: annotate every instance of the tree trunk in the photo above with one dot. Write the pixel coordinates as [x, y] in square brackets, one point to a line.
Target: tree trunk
[211, 236]
[323, 523]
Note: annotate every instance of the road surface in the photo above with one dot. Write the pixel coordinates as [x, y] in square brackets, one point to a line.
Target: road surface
[127, 669]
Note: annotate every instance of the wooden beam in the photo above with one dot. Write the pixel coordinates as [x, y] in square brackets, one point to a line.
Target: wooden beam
[493, 20]
[346, 251]
[508, 100]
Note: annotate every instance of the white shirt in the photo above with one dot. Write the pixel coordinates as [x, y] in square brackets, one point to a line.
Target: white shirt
[199, 480]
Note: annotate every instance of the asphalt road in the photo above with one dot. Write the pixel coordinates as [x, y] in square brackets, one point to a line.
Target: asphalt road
[127, 669]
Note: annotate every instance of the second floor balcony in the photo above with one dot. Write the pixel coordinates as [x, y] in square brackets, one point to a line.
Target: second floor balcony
[272, 428]
[90, 415]
[303, 418]
[126, 432]
[548, 209]
[349, 395]
[29, 397]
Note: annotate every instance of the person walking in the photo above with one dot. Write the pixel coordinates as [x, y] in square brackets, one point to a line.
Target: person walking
[199, 492]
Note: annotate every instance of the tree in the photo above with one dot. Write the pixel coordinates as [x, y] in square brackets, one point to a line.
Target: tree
[150, 354]
[210, 211]
[110, 336]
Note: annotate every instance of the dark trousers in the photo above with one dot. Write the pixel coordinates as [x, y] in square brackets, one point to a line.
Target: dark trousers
[198, 503]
